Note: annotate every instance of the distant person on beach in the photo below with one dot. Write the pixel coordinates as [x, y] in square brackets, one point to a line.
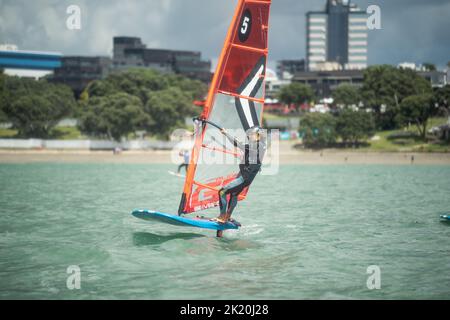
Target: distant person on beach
[412, 159]
[186, 158]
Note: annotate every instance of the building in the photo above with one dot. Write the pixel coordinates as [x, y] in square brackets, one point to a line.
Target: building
[287, 68]
[130, 52]
[77, 71]
[30, 64]
[435, 77]
[191, 65]
[325, 82]
[274, 84]
[120, 45]
[337, 35]
[438, 79]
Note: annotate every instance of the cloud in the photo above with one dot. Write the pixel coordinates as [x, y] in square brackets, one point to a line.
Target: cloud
[413, 30]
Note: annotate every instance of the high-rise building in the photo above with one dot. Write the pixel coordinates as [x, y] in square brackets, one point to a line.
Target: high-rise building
[337, 38]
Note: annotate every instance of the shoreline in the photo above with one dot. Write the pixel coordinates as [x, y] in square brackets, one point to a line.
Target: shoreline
[324, 157]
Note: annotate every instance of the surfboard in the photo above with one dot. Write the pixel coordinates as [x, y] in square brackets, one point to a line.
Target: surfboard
[175, 220]
[445, 217]
[179, 175]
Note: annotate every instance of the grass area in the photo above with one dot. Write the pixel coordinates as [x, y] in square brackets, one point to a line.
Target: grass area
[408, 140]
[271, 116]
[66, 133]
[7, 133]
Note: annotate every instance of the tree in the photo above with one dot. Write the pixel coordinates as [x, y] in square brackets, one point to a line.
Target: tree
[429, 66]
[114, 116]
[318, 130]
[354, 126]
[384, 89]
[168, 108]
[346, 95]
[442, 96]
[417, 109]
[442, 99]
[3, 98]
[35, 107]
[166, 99]
[296, 94]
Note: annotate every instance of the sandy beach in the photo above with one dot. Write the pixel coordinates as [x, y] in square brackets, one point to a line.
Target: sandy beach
[287, 156]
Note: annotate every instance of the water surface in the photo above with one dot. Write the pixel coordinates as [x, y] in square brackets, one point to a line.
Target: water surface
[308, 233]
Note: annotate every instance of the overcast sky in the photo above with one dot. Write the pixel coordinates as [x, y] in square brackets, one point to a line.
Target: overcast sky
[412, 30]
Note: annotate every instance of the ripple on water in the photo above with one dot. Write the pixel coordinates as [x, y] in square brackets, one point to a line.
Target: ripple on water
[312, 234]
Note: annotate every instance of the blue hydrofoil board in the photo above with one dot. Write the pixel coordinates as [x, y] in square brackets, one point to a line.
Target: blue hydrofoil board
[199, 222]
[445, 217]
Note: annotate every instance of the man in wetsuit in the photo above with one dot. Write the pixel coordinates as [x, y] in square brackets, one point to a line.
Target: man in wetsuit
[253, 153]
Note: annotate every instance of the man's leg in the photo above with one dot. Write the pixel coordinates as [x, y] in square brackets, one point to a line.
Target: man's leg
[232, 204]
[179, 167]
[223, 202]
[234, 184]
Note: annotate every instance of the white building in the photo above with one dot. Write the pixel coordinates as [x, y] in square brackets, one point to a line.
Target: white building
[337, 35]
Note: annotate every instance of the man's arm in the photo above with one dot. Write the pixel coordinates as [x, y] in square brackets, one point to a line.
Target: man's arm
[233, 140]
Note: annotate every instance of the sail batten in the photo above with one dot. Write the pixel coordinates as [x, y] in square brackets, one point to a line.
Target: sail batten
[235, 102]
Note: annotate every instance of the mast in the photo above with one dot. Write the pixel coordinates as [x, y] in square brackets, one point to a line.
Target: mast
[239, 76]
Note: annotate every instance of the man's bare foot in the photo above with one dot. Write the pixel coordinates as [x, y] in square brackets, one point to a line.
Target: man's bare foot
[219, 233]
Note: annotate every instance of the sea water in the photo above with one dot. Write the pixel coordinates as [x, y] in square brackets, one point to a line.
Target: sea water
[310, 232]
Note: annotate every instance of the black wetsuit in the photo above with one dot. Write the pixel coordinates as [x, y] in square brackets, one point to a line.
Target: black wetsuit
[248, 169]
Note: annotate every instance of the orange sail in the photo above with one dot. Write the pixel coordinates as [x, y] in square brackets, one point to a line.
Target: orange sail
[235, 102]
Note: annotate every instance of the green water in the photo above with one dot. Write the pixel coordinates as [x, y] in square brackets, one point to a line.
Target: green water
[308, 233]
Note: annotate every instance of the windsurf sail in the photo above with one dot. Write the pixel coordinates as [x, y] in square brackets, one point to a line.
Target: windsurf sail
[235, 102]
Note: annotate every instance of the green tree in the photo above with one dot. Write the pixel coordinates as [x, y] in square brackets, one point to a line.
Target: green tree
[417, 109]
[429, 66]
[296, 94]
[168, 108]
[166, 99]
[384, 89]
[3, 98]
[35, 107]
[346, 95]
[114, 116]
[442, 97]
[354, 126]
[318, 130]
[194, 88]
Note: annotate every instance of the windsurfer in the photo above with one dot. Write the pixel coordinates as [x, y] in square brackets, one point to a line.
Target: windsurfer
[186, 157]
[252, 155]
